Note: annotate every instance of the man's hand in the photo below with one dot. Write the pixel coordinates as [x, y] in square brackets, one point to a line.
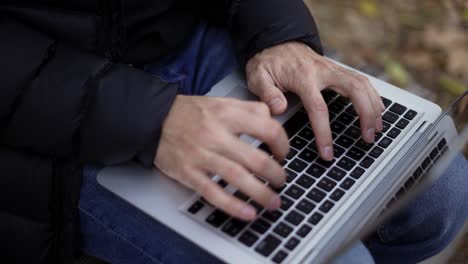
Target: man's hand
[200, 137]
[295, 67]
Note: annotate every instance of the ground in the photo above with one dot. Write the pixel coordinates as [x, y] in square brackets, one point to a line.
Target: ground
[420, 46]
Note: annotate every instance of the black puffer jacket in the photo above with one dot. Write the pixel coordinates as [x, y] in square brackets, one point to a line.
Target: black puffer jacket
[68, 96]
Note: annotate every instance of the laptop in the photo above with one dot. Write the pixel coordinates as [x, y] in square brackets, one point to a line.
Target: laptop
[324, 203]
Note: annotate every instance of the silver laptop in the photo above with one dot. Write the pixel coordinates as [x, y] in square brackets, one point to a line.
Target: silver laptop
[324, 204]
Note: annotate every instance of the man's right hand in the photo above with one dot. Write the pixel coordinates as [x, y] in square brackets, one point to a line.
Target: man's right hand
[200, 137]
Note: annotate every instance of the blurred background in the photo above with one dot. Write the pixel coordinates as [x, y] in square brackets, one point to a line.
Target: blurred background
[420, 46]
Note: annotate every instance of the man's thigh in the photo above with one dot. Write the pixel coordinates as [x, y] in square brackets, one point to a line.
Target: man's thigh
[429, 223]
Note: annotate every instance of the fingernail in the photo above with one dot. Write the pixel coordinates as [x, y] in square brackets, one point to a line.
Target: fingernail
[370, 134]
[275, 203]
[328, 152]
[248, 212]
[275, 103]
[379, 124]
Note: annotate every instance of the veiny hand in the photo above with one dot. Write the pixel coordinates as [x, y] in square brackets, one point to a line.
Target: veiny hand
[295, 67]
[200, 137]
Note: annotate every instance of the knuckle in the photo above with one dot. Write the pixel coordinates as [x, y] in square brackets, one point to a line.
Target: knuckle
[261, 162]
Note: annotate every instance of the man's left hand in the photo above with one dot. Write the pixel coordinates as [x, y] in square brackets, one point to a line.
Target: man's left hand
[295, 67]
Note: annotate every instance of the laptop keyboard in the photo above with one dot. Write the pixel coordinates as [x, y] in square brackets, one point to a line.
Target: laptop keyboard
[313, 186]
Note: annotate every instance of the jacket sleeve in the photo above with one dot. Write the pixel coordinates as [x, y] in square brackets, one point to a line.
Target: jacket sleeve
[59, 101]
[259, 24]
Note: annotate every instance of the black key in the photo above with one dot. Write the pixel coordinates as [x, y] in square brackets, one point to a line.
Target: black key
[364, 145]
[304, 230]
[386, 102]
[248, 238]
[233, 227]
[308, 155]
[357, 123]
[283, 229]
[297, 165]
[315, 218]
[345, 141]
[280, 257]
[338, 151]
[378, 136]
[298, 143]
[426, 163]
[394, 132]
[385, 142]
[326, 184]
[283, 163]
[222, 183]
[337, 127]
[390, 117]
[242, 196]
[312, 146]
[294, 191]
[417, 173]
[353, 132]
[260, 226]
[265, 148]
[195, 207]
[347, 183]
[337, 194]
[306, 133]
[346, 163]
[376, 152]
[331, 115]
[315, 171]
[367, 162]
[272, 216]
[291, 154]
[305, 181]
[295, 123]
[292, 243]
[441, 144]
[286, 203]
[328, 95]
[325, 163]
[357, 173]
[326, 206]
[267, 245]
[434, 153]
[398, 108]
[217, 218]
[355, 153]
[290, 175]
[345, 118]
[385, 126]
[316, 195]
[343, 100]
[256, 205]
[305, 206]
[411, 114]
[409, 183]
[350, 110]
[336, 174]
[402, 123]
[294, 218]
[335, 107]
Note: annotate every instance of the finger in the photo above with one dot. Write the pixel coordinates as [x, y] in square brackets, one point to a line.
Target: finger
[379, 106]
[317, 111]
[240, 178]
[353, 86]
[255, 120]
[261, 84]
[219, 198]
[254, 160]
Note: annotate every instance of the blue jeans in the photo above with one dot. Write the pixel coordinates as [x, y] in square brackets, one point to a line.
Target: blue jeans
[116, 232]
